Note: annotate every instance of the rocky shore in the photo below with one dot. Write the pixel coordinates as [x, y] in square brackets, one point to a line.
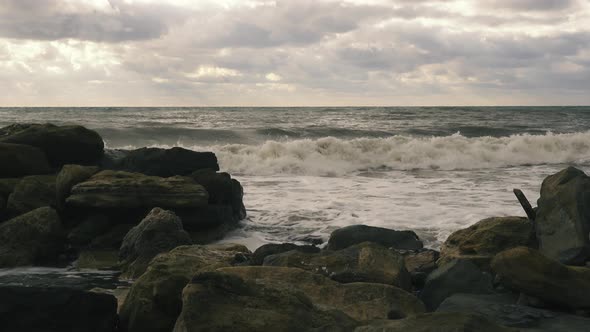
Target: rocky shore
[155, 215]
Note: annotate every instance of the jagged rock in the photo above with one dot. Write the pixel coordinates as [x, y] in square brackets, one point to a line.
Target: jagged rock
[502, 309]
[69, 176]
[165, 162]
[350, 235]
[275, 248]
[32, 192]
[361, 301]
[563, 217]
[92, 227]
[34, 238]
[364, 262]
[223, 190]
[253, 307]
[115, 189]
[458, 276]
[61, 144]
[160, 231]
[438, 321]
[154, 301]
[21, 160]
[528, 271]
[35, 309]
[480, 242]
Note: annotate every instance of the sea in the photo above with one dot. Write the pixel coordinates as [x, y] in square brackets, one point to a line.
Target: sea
[308, 171]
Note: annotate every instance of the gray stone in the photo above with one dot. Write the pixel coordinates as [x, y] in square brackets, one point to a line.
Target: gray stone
[350, 235]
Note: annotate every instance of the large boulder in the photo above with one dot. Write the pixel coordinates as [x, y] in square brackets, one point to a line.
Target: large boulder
[528, 271]
[69, 176]
[458, 276]
[160, 231]
[483, 240]
[563, 217]
[32, 192]
[364, 262]
[116, 189]
[61, 144]
[154, 301]
[34, 238]
[21, 160]
[165, 162]
[355, 234]
[268, 249]
[35, 309]
[215, 301]
[438, 321]
[361, 301]
[89, 229]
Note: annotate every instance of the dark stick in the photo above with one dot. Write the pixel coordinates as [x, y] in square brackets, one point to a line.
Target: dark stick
[525, 204]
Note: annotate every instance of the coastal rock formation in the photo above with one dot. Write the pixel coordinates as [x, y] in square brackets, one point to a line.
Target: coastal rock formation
[389, 238]
[528, 271]
[210, 296]
[364, 262]
[480, 242]
[420, 263]
[223, 191]
[34, 238]
[361, 301]
[563, 217]
[32, 192]
[25, 309]
[268, 249]
[160, 231]
[438, 321]
[116, 189]
[154, 301]
[61, 144]
[22, 160]
[69, 176]
[458, 276]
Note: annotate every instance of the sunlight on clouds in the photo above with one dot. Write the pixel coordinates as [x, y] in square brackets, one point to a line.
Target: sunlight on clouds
[273, 77]
[213, 72]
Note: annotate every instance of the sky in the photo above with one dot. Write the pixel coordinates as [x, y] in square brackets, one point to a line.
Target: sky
[294, 52]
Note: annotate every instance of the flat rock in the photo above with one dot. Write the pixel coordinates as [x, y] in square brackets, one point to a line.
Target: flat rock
[268, 249]
[528, 271]
[355, 234]
[21, 160]
[438, 321]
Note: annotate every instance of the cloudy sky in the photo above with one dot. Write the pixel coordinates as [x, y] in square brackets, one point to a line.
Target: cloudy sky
[294, 52]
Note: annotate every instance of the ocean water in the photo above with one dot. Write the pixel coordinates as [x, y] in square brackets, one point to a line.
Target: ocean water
[308, 171]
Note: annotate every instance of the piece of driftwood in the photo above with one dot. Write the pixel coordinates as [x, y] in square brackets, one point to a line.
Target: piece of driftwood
[524, 202]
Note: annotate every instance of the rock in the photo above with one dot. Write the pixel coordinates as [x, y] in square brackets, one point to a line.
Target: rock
[528, 271]
[361, 301]
[115, 189]
[438, 321]
[274, 248]
[61, 144]
[98, 259]
[364, 262]
[483, 240]
[350, 235]
[112, 239]
[32, 192]
[166, 162]
[35, 309]
[458, 276]
[160, 231]
[420, 263]
[223, 190]
[501, 308]
[69, 176]
[88, 230]
[34, 238]
[211, 296]
[154, 301]
[563, 217]
[7, 185]
[21, 160]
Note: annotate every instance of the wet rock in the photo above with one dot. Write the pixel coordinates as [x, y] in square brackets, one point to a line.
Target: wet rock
[361, 301]
[563, 217]
[528, 271]
[274, 248]
[420, 263]
[88, 230]
[61, 144]
[34, 309]
[21, 160]
[350, 235]
[69, 176]
[32, 192]
[438, 321]
[364, 262]
[160, 231]
[165, 162]
[253, 307]
[458, 276]
[154, 301]
[34, 238]
[223, 190]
